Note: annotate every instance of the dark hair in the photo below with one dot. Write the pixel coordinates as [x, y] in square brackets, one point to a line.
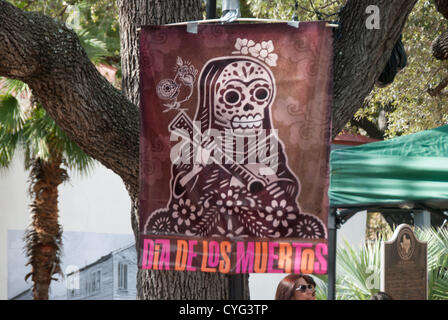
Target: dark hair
[381, 296]
[287, 285]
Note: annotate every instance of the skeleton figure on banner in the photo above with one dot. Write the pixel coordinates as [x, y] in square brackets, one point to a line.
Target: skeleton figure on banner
[230, 174]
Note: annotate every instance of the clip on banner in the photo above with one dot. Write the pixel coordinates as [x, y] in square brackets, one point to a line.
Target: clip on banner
[294, 24]
[235, 144]
[192, 27]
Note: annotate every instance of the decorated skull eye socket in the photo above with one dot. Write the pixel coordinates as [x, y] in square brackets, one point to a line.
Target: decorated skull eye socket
[232, 97]
[261, 94]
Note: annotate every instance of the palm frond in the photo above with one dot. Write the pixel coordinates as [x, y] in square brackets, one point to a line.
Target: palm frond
[74, 157]
[12, 86]
[35, 134]
[440, 289]
[11, 117]
[437, 240]
[95, 48]
[101, 21]
[9, 143]
[41, 138]
[359, 270]
[441, 239]
[11, 125]
[321, 286]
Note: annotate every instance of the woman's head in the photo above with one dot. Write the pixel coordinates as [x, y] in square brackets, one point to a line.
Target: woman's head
[296, 287]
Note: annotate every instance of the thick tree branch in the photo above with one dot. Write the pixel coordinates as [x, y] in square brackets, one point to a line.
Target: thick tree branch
[49, 58]
[437, 91]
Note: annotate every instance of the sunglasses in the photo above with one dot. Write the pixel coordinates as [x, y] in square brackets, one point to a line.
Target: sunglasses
[303, 287]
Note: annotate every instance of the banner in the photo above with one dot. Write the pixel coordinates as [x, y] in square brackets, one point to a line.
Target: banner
[234, 148]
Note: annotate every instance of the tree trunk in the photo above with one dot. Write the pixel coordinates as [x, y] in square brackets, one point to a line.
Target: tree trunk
[105, 124]
[43, 236]
[360, 54]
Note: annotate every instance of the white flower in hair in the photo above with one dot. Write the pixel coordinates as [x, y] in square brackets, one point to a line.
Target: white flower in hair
[263, 51]
[242, 45]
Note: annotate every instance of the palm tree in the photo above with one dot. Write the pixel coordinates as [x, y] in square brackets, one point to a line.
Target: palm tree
[48, 152]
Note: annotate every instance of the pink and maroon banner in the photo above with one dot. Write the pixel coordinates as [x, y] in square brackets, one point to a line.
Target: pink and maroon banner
[235, 144]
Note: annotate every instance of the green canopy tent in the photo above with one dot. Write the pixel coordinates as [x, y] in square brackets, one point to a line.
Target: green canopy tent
[408, 169]
[405, 173]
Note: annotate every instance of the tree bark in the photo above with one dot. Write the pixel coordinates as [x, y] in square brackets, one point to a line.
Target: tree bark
[48, 57]
[360, 54]
[437, 91]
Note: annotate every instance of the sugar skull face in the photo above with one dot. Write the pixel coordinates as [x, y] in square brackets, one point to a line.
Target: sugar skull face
[243, 92]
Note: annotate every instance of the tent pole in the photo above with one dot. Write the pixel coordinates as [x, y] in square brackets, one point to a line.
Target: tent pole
[332, 245]
[236, 287]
